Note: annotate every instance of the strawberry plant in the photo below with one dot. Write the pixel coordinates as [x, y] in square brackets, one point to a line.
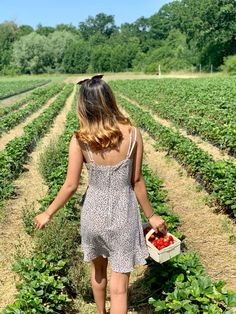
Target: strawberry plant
[181, 284]
[48, 277]
[205, 107]
[14, 118]
[11, 88]
[16, 152]
[218, 177]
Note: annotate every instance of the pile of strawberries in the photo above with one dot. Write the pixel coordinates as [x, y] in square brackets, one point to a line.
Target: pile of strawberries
[159, 240]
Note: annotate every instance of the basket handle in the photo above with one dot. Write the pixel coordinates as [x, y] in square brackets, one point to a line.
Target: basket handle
[150, 232]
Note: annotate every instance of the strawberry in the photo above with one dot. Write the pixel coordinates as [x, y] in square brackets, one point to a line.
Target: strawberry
[162, 241]
[151, 238]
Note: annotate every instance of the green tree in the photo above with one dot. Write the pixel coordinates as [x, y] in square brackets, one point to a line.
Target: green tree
[166, 19]
[101, 59]
[76, 57]
[210, 26]
[57, 45]
[24, 30]
[101, 23]
[173, 54]
[31, 54]
[139, 29]
[66, 27]
[44, 30]
[8, 34]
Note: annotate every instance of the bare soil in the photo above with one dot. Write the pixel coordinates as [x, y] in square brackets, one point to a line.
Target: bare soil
[133, 76]
[30, 188]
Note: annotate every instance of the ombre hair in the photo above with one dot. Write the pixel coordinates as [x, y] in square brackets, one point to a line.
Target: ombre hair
[99, 115]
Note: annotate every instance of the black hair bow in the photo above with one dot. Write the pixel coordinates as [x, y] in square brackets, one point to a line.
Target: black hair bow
[94, 78]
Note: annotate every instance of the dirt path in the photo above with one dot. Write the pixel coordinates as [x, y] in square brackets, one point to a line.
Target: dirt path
[136, 76]
[30, 188]
[215, 152]
[212, 235]
[19, 129]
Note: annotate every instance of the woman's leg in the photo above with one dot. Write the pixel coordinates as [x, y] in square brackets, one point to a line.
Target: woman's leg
[99, 282]
[119, 292]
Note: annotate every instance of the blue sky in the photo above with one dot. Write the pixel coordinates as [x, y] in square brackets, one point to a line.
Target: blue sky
[53, 12]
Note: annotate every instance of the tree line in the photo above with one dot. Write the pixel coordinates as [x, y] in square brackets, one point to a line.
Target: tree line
[182, 35]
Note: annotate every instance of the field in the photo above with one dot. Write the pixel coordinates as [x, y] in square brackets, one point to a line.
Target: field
[189, 131]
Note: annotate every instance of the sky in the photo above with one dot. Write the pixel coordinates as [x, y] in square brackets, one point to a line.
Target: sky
[53, 12]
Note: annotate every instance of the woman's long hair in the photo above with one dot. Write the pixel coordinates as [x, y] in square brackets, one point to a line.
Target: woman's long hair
[98, 115]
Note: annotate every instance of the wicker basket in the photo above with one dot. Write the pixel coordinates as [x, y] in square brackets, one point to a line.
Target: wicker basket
[164, 254]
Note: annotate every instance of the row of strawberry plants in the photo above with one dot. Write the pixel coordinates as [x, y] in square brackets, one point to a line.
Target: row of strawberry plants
[39, 295]
[181, 284]
[14, 118]
[53, 274]
[18, 104]
[218, 177]
[9, 89]
[209, 98]
[180, 101]
[16, 152]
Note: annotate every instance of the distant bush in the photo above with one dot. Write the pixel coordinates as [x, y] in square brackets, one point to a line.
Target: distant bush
[229, 65]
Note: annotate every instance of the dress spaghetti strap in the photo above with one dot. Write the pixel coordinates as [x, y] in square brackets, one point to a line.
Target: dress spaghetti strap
[131, 147]
[90, 156]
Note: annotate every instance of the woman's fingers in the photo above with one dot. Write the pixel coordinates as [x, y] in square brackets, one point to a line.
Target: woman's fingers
[162, 227]
[38, 224]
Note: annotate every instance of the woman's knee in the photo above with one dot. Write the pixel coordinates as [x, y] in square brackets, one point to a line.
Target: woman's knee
[118, 290]
[119, 283]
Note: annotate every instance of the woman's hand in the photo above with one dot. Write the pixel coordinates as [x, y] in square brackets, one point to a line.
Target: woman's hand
[41, 220]
[158, 224]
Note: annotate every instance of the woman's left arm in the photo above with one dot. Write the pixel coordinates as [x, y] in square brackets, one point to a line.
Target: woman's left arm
[75, 164]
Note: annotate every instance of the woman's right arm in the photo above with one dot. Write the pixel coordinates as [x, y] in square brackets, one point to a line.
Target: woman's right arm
[75, 163]
[157, 223]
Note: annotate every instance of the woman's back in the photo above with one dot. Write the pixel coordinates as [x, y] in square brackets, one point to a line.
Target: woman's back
[111, 171]
[110, 157]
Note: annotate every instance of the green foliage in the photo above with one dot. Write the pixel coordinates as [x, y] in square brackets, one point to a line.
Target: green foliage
[30, 54]
[76, 57]
[8, 89]
[54, 273]
[180, 36]
[218, 177]
[186, 288]
[58, 41]
[8, 34]
[173, 54]
[24, 30]
[229, 65]
[181, 284]
[18, 104]
[101, 23]
[44, 287]
[189, 104]
[16, 152]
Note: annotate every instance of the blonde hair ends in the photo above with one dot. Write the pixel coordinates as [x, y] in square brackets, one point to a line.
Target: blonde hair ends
[99, 116]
